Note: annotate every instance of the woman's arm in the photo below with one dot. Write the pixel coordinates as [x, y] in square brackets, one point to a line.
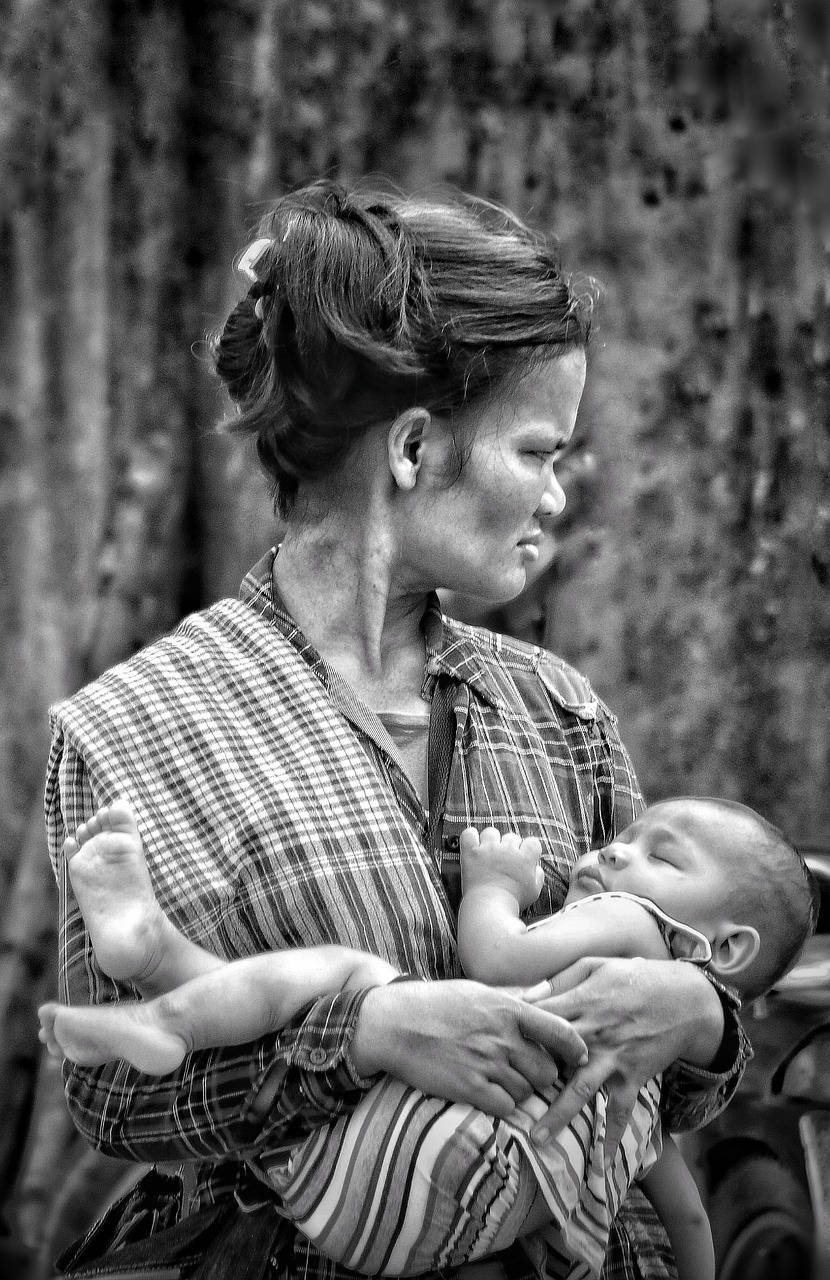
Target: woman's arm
[673, 1192]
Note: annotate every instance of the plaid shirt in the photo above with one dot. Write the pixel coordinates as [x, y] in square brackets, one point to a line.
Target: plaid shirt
[276, 812]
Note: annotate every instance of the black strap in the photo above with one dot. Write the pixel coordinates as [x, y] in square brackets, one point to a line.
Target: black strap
[439, 762]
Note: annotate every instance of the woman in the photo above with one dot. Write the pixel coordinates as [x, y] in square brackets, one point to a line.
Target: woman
[410, 373]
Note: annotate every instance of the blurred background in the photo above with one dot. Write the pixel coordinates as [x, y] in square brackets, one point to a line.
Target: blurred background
[678, 149]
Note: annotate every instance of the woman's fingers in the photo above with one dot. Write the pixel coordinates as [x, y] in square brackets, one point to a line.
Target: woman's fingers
[513, 1082]
[622, 1097]
[553, 1033]
[581, 1088]
[538, 1067]
[568, 980]
[493, 1100]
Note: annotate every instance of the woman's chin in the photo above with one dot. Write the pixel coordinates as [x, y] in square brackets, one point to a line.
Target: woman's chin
[499, 591]
[480, 595]
[509, 586]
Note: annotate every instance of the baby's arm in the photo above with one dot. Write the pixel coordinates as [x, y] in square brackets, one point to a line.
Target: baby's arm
[673, 1192]
[501, 876]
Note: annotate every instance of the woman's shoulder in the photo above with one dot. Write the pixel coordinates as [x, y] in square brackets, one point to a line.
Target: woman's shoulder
[530, 665]
[183, 662]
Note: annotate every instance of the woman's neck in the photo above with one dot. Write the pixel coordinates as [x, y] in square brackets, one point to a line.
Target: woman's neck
[341, 591]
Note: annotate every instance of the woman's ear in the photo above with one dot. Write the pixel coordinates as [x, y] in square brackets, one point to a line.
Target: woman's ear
[734, 948]
[404, 445]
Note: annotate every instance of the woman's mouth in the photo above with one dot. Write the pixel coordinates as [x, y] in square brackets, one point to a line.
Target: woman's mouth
[530, 546]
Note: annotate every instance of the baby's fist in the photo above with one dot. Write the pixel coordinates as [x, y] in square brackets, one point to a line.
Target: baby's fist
[502, 861]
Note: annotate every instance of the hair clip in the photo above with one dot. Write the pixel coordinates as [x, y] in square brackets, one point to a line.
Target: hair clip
[251, 256]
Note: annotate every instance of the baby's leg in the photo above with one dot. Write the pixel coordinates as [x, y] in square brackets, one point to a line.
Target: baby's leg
[233, 1004]
[134, 941]
[407, 1184]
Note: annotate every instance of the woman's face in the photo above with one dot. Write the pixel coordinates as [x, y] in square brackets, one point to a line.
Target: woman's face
[481, 534]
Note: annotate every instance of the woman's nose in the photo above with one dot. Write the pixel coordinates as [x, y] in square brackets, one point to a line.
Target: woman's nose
[553, 499]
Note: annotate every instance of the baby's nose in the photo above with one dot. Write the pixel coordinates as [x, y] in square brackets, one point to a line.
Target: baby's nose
[612, 855]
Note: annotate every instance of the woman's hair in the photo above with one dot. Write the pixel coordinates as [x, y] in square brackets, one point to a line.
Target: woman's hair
[365, 304]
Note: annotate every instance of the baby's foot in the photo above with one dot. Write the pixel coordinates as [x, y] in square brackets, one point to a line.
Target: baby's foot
[112, 885]
[93, 1034]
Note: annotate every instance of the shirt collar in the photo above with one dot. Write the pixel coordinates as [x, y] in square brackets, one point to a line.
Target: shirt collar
[464, 653]
[453, 649]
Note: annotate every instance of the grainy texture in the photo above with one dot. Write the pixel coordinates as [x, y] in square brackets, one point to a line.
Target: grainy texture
[680, 150]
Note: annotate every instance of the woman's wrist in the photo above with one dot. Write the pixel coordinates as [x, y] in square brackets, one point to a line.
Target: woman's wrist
[377, 1039]
[705, 1024]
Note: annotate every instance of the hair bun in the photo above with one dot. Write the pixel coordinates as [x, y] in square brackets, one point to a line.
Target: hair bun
[371, 302]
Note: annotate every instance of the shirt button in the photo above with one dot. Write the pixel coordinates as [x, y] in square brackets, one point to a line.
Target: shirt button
[317, 1057]
[452, 844]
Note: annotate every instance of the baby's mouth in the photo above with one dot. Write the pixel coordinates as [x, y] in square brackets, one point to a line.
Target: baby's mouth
[590, 876]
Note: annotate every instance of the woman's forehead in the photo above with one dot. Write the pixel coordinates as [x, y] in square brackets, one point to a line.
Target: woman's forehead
[546, 395]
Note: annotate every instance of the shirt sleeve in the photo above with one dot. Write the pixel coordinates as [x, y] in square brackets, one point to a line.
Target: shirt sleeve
[211, 1107]
[692, 1095]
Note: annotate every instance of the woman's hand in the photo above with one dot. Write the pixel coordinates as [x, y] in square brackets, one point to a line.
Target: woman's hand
[637, 1017]
[463, 1041]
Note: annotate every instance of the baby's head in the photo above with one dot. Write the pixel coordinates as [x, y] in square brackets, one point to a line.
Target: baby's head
[721, 868]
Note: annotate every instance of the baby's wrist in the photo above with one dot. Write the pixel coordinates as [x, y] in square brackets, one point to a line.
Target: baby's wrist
[496, 893]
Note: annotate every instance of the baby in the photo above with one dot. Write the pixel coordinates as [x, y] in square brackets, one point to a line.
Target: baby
[707, 881]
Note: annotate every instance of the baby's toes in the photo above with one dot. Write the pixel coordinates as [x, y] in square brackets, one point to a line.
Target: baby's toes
[103, 817]
[531, 848]
[46, 1013]
[90, 828]
[120, 816]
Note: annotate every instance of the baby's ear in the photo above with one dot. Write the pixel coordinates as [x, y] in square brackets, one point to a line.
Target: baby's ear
[734, 947]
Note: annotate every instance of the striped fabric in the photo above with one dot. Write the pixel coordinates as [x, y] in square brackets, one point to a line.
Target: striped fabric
[407, 1183]
[275, 812]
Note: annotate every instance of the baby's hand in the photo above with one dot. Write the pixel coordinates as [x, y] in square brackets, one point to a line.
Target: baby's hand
[507, 862]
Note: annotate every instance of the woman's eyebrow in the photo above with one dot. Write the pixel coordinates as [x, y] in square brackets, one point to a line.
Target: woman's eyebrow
[546, 440]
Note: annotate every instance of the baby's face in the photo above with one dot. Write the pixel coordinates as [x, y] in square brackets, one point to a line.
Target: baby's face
[675, 854]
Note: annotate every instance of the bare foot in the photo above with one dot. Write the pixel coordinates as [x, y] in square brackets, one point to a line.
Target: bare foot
[112, 885]
[91, 1035]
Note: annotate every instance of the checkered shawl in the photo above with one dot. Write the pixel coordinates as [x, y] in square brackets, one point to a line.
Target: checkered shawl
[275, 812]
